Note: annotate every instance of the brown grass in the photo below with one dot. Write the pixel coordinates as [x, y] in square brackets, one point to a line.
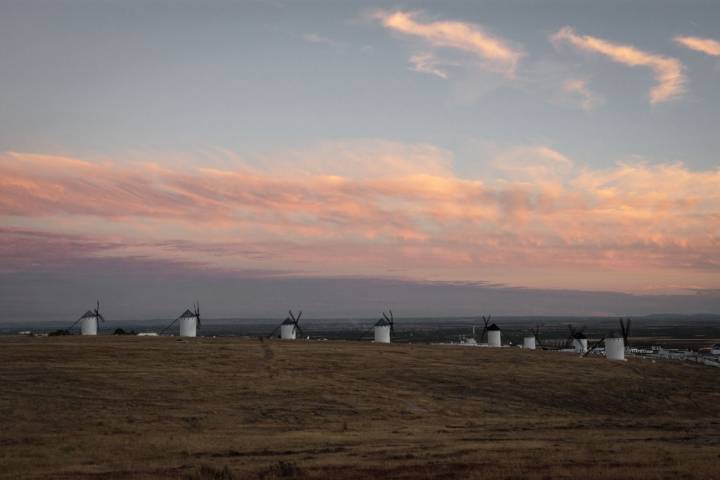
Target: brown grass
[130, 407]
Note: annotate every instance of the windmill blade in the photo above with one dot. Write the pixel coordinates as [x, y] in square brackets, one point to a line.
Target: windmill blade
[571, 337]
[272, 334]
[101, 317]
[297, 327]
[482, 335]
[392, 318]
[298, 317]
[385, 317]
[365, 332]
[168, 327]
[75, 323]
[627, 332]
[594, 346]
[292, 316]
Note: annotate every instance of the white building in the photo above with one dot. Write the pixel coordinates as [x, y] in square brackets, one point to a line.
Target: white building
[580, 343]
[188, 324]
[494, 338]
[529, 343]
[615, 349]
[288, 330]
[89, 323]
[382, 331]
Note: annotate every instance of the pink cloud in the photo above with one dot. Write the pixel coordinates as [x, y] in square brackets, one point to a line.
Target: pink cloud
[668, 71]
[466, 37]
[538, 210]
[704, 45]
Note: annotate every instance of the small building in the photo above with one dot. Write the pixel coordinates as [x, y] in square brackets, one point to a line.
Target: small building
[89, 323]
[529, 342]
[580, 343]
[381, 331]
[494, 338]
[615, 348]
[288, 330]
[188, 324]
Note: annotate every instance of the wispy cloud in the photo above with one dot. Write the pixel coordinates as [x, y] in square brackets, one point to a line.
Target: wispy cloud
[371, 207]
[668, 71]
[495, 52]
[580, 91]
[315, 38]
[426, 62]
[704, 45]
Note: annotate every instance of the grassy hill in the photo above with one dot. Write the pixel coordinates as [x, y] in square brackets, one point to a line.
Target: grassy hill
[129, 407]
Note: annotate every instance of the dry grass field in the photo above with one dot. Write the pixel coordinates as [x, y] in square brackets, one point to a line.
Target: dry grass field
[129, 407]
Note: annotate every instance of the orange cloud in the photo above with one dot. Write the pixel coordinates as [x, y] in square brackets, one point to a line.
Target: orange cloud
[668, 71]
[462, 36]
[405, 212]
[704, 45]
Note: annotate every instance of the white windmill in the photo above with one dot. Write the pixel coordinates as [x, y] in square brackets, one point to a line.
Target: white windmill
[383, 328]
[90, 321]
[530, 342]
[494, 336]
[289, 327]
[615, 346]
[189, 322]
[577, 340]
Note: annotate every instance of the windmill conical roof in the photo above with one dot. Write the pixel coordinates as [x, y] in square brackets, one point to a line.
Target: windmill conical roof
[382, 323]
[493, 327]
[579, 336]
[88, 314]
[288, 321]
[187, 314]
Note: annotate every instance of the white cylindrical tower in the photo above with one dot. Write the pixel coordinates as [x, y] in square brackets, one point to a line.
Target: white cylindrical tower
[88, 325]
[529, 343]
[580, 344]
[188, 326]
[615, 349]
[494, 338]
[288, 330]
[382, 332]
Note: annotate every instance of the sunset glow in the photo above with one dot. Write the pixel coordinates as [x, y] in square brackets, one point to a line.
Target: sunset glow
[432, 145]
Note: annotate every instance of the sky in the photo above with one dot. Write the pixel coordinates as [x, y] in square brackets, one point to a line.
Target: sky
[513, 157]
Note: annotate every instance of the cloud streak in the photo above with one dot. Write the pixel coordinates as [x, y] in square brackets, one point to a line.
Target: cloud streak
[495, 52]
[704, 45]
[390, 210]
[668, 71]
[587, 100]
[427, 63]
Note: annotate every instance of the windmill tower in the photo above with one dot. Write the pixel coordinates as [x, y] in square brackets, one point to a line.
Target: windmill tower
[577, 340]
[530, 342]
[90, 321]
[615, 346]
[289, 327]
[494, 338]
[486, 321]
[189, 322]
[383, 328]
